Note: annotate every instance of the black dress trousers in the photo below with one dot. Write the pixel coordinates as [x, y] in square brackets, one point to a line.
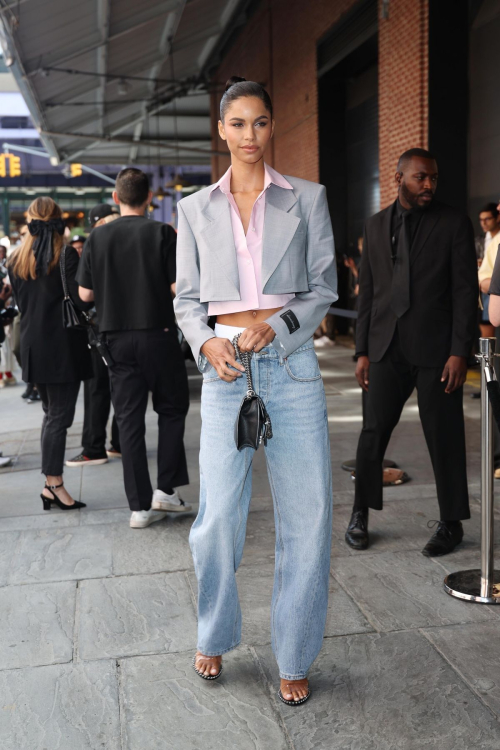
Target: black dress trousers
[149, 360]
[97, 405]
[59, 403]
[391, 382]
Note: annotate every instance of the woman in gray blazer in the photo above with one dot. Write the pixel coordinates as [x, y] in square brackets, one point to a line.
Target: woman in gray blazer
[256, 251]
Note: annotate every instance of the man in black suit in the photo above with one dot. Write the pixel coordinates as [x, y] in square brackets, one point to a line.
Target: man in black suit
[418, 297]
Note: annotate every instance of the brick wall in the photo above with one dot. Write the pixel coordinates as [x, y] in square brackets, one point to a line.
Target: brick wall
[403, 86]
[278, 48]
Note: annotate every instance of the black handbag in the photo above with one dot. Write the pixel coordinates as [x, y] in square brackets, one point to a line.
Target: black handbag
[253, 424]
[72, 316]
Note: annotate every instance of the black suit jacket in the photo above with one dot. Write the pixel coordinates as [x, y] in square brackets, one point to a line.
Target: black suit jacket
[442, 318]
[51, 353]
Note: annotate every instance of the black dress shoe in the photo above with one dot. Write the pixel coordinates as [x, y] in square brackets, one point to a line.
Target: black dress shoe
[444, 540]
[356, 535]
[29, 390]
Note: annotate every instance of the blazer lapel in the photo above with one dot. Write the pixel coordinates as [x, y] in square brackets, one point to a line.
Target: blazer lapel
[427, 224]
[387, 238]
[219, 235]
[279, 228]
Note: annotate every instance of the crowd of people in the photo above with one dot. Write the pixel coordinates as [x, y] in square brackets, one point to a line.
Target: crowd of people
[249, 279]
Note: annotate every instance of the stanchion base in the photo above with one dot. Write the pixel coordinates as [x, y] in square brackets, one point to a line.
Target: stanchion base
[466, 584]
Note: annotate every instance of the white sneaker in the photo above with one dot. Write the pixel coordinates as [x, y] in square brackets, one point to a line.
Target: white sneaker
[139, 519]
[323, 341]
[4, 461]
[172, 503]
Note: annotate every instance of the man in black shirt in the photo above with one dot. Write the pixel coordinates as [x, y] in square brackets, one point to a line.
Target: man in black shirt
[128, 269]
[418, 296]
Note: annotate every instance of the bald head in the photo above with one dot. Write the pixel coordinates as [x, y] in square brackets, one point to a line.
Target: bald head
[416, 178]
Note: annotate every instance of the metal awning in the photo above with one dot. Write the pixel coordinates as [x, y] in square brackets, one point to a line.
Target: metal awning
[118, 81]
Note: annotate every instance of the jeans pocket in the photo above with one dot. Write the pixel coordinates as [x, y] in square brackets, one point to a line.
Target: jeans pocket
[303, 366]
[210, 375]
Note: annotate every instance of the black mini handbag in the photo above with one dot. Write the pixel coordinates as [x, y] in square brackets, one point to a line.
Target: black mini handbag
[72, 316]
[253, 424]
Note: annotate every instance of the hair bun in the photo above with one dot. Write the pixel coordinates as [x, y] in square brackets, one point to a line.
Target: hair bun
[231, 81]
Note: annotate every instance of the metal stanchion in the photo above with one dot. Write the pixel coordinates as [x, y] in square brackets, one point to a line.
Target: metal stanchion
[483, 585]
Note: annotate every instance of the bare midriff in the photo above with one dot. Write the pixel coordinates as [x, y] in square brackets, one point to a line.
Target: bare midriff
[246, 318]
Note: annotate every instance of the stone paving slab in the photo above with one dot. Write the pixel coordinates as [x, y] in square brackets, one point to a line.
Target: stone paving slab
[466, 558]
[52, 520]
[36, 625]
[402, 590]
[255, 585]
[61, 555]
[8, 543]
[166, 705]
[61, 707]
[473, 650]
[162, 547]
[135, 615]
[402, 525]
[385, 692]
[100, 517]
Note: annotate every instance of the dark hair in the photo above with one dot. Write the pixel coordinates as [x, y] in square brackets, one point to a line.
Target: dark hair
[237, 87]
[132, 186]
[422, 153]
[491, 208]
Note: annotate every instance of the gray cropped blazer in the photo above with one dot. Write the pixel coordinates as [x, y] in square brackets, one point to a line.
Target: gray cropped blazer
[298, 256]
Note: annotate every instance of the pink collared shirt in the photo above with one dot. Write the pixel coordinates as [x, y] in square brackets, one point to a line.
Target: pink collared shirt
[249, 250]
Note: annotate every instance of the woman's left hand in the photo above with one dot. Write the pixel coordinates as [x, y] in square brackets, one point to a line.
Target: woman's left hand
[256, 337]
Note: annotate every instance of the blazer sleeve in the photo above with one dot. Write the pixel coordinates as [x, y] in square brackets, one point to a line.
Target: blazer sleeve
[465, 289]
[191, 314]
[72, 260]
[300, 317]
[365, 300]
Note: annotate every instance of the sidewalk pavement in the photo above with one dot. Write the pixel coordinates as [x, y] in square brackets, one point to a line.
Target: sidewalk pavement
[98, 621]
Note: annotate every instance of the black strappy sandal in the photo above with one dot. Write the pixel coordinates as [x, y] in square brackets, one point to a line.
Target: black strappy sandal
[54, 500]
[206, 676]
[292, 702]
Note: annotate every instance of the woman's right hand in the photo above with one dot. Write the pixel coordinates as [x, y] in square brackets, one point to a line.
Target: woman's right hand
[220, 353]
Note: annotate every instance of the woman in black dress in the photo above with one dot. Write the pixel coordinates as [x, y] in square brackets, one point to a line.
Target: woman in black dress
[56, 358]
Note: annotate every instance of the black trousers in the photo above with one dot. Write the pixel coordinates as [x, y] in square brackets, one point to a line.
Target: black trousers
[58, 402]
[146, 361]
[392, 381]
[97, 403]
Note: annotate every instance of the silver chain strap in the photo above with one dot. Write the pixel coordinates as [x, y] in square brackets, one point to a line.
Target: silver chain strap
[245, 359]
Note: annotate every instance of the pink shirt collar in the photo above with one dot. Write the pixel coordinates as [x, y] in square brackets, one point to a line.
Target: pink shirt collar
[271, 176]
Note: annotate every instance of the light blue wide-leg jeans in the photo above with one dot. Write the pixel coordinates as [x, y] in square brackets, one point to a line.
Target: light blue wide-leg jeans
[298, 461]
